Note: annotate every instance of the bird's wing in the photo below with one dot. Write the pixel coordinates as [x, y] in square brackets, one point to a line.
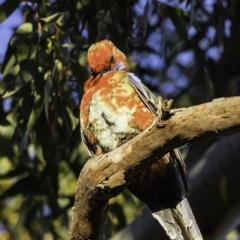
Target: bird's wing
[178, 222]
[178, 169]
[177, 173]
[86, 144]
[144, 93]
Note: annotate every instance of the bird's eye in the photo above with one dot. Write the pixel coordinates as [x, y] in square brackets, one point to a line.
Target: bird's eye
[112, 59]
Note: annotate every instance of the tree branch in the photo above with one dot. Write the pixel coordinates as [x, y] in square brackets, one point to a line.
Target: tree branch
[105, 176]
[214, 174]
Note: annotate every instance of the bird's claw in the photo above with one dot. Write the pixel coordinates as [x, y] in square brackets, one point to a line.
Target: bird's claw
[163, 111]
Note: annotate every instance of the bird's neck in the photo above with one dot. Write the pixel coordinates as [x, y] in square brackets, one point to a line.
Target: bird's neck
[91, 82]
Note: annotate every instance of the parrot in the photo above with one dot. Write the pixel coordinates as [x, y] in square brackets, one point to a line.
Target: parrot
[115, 107]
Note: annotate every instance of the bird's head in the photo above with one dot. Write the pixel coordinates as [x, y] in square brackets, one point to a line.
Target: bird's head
[103, 56]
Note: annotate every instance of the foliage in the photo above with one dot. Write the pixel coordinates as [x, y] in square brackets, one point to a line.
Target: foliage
[44, 70]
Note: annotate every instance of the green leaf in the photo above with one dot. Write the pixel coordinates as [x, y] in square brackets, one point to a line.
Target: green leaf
[7, 129]
[23, 186]
[25, 28]
[36, 110]
[9, 57]
[73, 120]
[68, 119]
[22, 52]
[21, 33]
[69, 45]
[7, 8]
[47, 94]
[9, 64]
[15, 172]
[54, 18]
[27, 73]
[6, 132]
[28, 209]
[8, 79]
[57, 71]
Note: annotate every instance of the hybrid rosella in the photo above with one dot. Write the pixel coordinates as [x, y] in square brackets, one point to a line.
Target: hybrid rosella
[116, 106]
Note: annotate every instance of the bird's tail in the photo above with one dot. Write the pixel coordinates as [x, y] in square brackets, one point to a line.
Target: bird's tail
[179, 223]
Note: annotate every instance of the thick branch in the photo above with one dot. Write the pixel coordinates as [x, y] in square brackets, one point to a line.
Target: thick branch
[107, 175]
[214, 174]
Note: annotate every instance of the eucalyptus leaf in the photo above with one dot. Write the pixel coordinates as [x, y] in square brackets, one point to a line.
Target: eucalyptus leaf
[73, 119]
[25, 28]
[20, 170]
[7, 129]
[9, 59]
[47, 95]
[22, 52]
[68, 45]
[9, 64]
[7, 81]
[54, 18]
[27, 73]
[23, 186]
[21, 33]
[36, 110]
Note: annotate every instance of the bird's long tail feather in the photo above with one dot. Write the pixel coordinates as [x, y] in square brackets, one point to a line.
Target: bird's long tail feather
[179, 223]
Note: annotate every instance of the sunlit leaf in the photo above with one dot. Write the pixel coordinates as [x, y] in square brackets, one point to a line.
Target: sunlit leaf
[54, 18]
[25, 28]
[5, 165]
[57, 72]
[6, 132]
[69, 45]
[9, 64]
[21, 33]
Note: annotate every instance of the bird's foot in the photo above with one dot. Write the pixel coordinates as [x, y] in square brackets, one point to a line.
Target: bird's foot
[166, 107]
[163, 112]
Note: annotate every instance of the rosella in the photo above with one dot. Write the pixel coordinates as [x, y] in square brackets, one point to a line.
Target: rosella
[116, 106]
